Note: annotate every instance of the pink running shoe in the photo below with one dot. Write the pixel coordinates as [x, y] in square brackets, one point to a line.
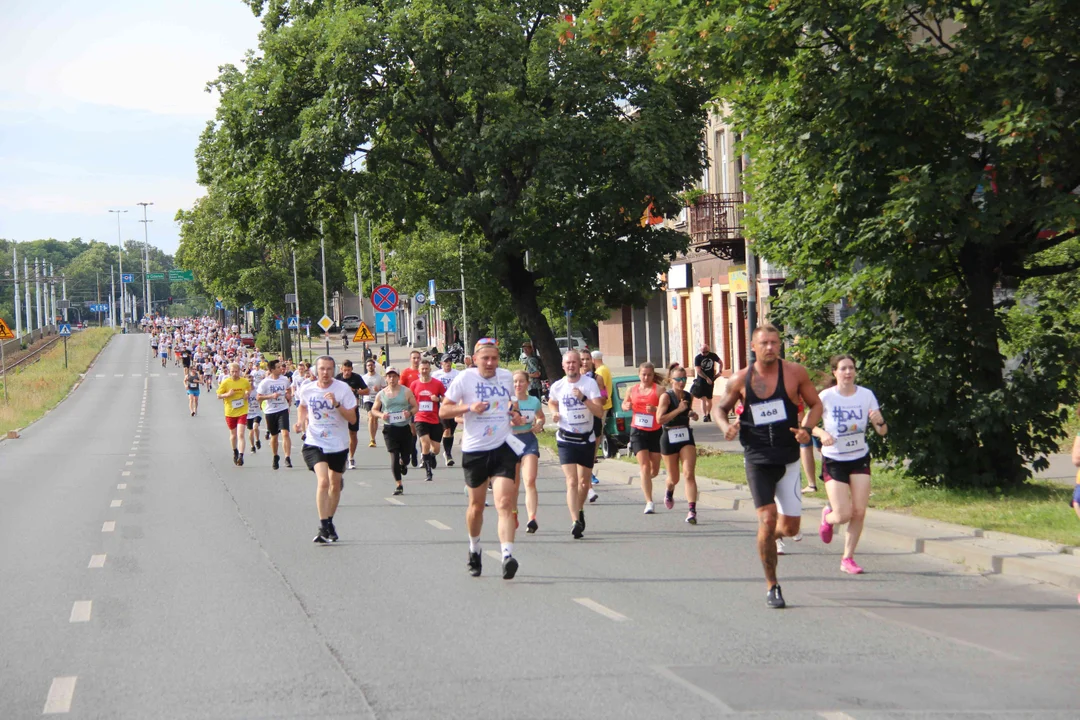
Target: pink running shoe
[825, 531]
[849, 566]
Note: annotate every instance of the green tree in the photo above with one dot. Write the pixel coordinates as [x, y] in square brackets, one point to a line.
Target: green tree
[916, 160]
[486, 119]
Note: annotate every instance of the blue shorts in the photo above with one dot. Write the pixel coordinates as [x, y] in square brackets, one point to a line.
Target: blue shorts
[813, 442]
[193, 392]
[532, 445]
[1076, 496]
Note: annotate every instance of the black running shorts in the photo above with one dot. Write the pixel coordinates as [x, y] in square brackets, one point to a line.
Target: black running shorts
[842, 470]
[398, 438]
[644, 440]
[431, 430]
[252, 421]
[313, 455]
[577, 454]
[481, 466]
[450, 424]
[674, 448]
[277, 421]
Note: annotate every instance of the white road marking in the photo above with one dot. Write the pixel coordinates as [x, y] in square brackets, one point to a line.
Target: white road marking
[130, 462]
[108, 526]
[835, 715]
[438, 525]
[96, 561]
[136, 374]
[118, 375]
[686, 684]
[80, 611]
[494, 554]
[131, 455]
[363, 483]
[394, 501]
[126, 473]
[155, 374]
[122, 486]
[61, 693]
[116, 503]
[173, 374]
[99, 376]
[598, 608]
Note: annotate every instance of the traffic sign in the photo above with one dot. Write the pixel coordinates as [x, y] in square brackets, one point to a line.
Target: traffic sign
[363, 334]
[326, 323]
[277, 324]
[155, 276]
[127, 277]
[290, 298]
[386, 322]
[65, 330]
[384, 298]
[5, 331]
[431, 291]
[294, 324]
[181, 276]
[98, 307]
[420, 298]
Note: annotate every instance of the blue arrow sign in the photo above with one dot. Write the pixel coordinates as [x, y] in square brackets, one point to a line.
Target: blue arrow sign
[386, 322]
[277, 324]
[431, 292]
[99, 307]
[384, 298]
[65, 330]
[219, 305]
[127, 277]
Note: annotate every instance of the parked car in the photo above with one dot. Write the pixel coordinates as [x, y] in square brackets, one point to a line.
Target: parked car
[350, 323]
[247, 339]
[617, 424]
[578, 343]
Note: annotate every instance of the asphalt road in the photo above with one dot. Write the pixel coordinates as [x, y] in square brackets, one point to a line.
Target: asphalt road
[210, 601]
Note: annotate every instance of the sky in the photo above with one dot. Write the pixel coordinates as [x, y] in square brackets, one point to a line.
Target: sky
[101, 107]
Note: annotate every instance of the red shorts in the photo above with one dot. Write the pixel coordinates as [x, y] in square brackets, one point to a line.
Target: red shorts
[232, 422]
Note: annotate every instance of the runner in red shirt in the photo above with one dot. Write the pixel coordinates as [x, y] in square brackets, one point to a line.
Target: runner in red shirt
[408, 376]
[429, 393]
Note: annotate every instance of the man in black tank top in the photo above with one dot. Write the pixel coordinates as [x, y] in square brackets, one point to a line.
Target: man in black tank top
[770, 432]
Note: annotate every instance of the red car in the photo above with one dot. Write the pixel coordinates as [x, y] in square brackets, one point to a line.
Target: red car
[247, 339]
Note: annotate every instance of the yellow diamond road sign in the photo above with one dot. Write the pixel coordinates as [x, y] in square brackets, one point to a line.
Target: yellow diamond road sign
[326, 323]
[5, 331]
[363, 334]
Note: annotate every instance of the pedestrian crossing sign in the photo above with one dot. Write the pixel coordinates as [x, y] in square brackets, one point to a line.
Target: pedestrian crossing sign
[5, 331]
[363, 334]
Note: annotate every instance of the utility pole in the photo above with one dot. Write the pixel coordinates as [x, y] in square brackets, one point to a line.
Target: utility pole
[296, 291]
[120, 254]
[52, 293]
[148, 296]
[15, 269]
[322, 248]
[99, 298]
[37, 293]
[63, 280]
[26, 292]
[359, 275]
[112, 296]
[464, 317]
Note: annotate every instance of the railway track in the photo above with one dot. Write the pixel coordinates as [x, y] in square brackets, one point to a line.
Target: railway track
[31, 357]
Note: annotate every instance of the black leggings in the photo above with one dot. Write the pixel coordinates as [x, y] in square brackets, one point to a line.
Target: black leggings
[399, 458]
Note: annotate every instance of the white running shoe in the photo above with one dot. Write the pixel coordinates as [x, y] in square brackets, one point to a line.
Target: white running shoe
[593, 495]
[779, 546]
[649, 508]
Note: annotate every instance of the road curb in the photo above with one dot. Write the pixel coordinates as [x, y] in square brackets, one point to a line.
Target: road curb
[986, 552]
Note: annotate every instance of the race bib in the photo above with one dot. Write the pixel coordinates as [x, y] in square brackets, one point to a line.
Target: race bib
[577, 416]
[516, 445]
[426, 406]
[850, 444]
[643, 421]
[395, 417]
[766, 413]
[678, 435]
[237, 404]
[529, 415]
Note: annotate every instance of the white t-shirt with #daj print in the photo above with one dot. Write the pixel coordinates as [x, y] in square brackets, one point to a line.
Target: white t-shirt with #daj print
[326, 428]
[847, 418]
[489, 429]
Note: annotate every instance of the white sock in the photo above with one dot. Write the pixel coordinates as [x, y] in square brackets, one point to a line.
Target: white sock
[474, 544]
[508, 549]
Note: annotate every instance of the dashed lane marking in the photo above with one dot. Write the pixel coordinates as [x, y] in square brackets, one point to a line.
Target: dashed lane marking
[100, 376]
[80, 611]
[116, 503]
[126, 473]
[130, 462]
[687, 685]
[118, 375]
[61, 693]
[834, 715]
[494, 554]
[438, 525]
[108, 526]
[394, 501]
[122, 486]
[601, 609]
[96, 561]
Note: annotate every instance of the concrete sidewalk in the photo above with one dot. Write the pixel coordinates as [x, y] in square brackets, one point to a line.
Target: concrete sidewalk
[984, 552]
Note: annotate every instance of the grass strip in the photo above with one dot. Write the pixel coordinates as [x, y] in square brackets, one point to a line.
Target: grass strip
[40, 386]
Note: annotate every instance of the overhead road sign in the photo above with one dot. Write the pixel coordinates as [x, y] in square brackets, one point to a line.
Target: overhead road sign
[181, 276]
[5, 331]
[99, 307]
[326, 323]
[363, 334]
[384, 298]
[155, 276]
[65, 330]
[386, 322]
[127, 277]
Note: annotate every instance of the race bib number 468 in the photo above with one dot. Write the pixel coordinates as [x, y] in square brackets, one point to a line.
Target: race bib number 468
[771, 411]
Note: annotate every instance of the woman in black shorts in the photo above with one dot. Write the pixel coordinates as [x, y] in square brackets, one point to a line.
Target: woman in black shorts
[395, 405]
[674, 413]
[643, 400]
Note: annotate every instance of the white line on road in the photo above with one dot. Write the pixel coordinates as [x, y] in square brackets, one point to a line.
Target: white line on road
[835, 715]
[598, 608]
[438, 525]
[96, 561]
[686, 684]
[363, 483]
[99, 376]
[61, 693]
[108, 526]
[155, 374]
[116, 503]
[394, 501]
[494, 554]
[122, 486]
[80, 611]
[172, 374]
[131, 455]
[126, 473]
[130, 462]
[118, 376]
[136, 374]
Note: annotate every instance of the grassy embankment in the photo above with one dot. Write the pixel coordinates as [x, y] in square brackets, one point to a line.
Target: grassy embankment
[1038, 510]
[38, 387]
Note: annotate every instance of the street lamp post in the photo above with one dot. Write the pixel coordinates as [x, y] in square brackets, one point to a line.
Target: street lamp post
[120, 253]
[148, 296]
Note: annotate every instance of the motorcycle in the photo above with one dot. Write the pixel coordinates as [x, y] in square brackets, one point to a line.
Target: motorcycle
[456, 353]
[431, 354]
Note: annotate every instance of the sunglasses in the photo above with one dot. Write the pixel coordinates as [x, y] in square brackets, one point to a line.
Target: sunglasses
[678, 379]
[487, 341]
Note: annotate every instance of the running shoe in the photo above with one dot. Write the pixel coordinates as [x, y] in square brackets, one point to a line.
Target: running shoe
[581, 518]
[811, 488]
[825, 530]
[474, 564]
[577, 531]
[649, 509]
[849, 566]
[331, 532]
[593, 495]
[322, 537]
[352, 463]
[691, 517]
[430, 477]
[780, 547]
[450, 460]
[371, 444]
[254, 450]
[240, 461]
[288, 461]
[775, 598]
[595, 480]
[268, 433]
[707, 418]
[405, 469]
[669, 500]
[510, 567]
[415, 460]
[276, 464]
[532, 527]
[258, 443]
[399, 490]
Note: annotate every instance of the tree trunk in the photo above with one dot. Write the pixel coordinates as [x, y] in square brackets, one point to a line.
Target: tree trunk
[996, 459]
[521, 284]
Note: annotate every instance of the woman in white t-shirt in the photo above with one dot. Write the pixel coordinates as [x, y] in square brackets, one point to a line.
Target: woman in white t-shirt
[849, 411]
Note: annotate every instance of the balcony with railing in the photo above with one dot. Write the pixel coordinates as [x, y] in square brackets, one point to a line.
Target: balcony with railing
[716, 226]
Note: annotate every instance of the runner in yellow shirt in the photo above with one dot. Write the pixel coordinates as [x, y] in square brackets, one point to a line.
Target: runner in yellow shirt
[602, 375]
[234, 391]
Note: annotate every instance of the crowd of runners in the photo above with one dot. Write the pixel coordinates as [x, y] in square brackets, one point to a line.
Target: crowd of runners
[772, 407]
